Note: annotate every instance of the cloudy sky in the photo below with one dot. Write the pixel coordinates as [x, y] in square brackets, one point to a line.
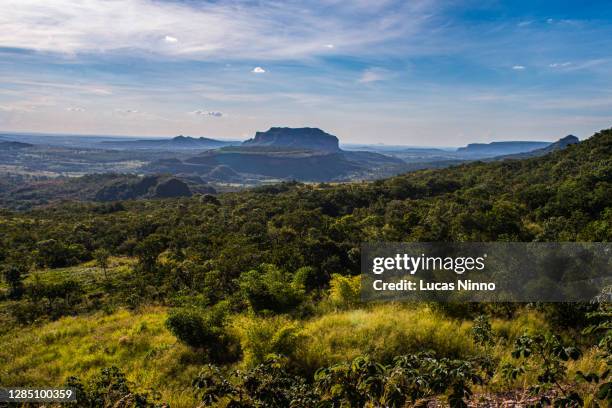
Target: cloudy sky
[424, 72]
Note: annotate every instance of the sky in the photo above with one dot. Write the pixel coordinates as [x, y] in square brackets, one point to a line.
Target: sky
[423, 72]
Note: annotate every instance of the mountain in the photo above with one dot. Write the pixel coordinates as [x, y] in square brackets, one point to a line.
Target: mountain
[302, 138]
[306, 154]
[177, 143]
[478, 150]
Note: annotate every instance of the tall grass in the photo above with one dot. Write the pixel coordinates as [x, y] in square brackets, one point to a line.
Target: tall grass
[137, 343]
[140, 345]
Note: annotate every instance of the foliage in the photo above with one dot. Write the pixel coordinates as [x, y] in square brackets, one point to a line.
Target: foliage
[411, 379]
[205, 330]
[344, 291]
[110, 388]
[13, 276]
[546, 355]
[601, 325]
[266, 385]
[270, 289]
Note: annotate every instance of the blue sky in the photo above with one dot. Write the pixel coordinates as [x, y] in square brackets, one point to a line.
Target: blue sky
[422, 72]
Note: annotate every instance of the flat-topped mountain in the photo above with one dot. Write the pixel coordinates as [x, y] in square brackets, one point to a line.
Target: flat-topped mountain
[474, 150]
[558, 145]
[302, 138]
[307, 154]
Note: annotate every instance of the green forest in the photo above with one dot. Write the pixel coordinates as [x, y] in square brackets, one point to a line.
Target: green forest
[252, 298]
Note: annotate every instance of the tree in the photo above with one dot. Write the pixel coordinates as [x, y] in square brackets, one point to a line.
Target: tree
[13, 275]
[101, 256]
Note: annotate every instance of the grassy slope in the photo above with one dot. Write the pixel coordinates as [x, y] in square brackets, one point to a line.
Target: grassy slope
[139, 344]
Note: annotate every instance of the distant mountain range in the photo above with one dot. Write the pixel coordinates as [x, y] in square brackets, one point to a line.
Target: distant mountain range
[178, 142]
[280, 153]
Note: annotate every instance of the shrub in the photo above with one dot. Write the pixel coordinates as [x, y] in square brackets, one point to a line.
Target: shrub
[203, 330]
[110, 388]
[266, 385]
[411, 379]
[345, 291]
[547, 356]
[270, 289]
[260, 337]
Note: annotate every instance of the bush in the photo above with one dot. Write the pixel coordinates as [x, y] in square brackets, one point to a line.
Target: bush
[203, 330]
[266, 385]
[271, 289]
[411, 379]
[260, 337]
[345, 291]
[110, 388]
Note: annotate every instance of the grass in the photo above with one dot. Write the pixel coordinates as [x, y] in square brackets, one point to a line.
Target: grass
[141, 346]
[383, 332]
[87, 274]
[137, 343]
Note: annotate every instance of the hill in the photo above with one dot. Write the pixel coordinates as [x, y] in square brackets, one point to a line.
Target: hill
[23, 192]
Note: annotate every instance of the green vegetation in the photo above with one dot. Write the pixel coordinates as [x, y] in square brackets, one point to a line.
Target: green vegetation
[252, 298]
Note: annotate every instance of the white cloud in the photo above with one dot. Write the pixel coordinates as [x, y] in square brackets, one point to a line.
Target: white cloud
[518, 67]
[208, 29]
[75, 109]
[126, 111]
[372, 75]
[214, 114]
[330, 46]
[258, 70]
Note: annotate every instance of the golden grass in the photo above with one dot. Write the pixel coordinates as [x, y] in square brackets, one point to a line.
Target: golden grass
[140, 345]
[137, 343]
[382, 331]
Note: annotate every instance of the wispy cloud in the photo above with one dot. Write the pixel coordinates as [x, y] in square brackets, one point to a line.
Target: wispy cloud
[232, 29]
[518, 67]
[258, 70]
[373, 75]
[560, 64]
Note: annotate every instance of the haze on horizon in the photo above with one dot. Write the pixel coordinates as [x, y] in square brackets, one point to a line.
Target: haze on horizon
[424, 72]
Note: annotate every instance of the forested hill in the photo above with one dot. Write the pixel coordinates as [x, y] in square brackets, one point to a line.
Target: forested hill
[562, 196]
